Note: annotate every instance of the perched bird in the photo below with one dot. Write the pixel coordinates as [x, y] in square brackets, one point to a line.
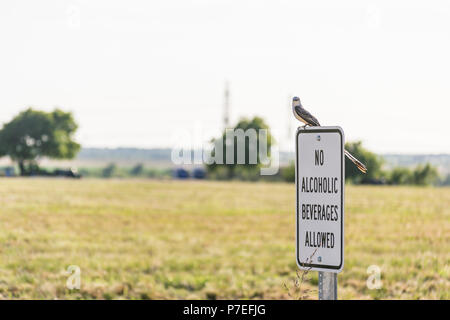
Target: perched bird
[308, 119]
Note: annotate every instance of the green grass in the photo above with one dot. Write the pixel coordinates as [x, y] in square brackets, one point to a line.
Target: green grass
[137, 239]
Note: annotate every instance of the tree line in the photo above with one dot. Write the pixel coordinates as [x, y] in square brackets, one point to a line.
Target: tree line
[34, 134]
[423, 174]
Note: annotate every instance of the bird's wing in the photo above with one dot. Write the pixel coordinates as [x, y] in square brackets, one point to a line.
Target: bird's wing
[357, 163]
[308, 117]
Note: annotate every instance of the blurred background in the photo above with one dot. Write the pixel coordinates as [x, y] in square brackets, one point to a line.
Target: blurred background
[104, 91]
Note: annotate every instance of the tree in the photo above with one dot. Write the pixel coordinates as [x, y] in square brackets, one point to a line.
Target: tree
[400, 175]
[248, 169]
[421, 175]
[288, 172]
[109, 171]
[33, 134]
[137, 170]
[371, 160]
[424, 175]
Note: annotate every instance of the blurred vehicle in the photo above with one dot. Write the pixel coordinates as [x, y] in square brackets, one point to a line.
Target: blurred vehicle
[181, 173]
[9, 172]
[69, 173]
[199, 173]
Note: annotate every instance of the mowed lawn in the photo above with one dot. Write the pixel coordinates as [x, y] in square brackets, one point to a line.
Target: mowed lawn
[138, 239]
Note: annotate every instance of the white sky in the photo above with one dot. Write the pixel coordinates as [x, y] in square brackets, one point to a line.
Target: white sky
[133, 72]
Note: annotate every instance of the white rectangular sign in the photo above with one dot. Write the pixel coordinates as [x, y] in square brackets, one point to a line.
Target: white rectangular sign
[320, 198]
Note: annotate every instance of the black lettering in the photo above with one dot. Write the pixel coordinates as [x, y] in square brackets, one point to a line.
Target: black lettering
[323, 238]
[318, 157]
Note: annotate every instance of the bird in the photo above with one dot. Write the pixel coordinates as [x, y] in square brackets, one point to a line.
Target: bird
[308, 119]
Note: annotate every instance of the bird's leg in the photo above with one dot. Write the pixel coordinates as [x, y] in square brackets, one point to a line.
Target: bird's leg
[304, 127]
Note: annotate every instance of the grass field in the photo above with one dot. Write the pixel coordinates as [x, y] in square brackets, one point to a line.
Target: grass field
[136, 239]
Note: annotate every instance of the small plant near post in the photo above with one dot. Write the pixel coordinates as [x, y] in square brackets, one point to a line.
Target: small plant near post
[295, 292]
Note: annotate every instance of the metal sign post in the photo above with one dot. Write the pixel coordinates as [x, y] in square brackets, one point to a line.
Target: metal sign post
[327, 285]
[320, 181]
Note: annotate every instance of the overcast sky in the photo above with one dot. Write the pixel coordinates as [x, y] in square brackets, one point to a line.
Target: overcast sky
[134, 72]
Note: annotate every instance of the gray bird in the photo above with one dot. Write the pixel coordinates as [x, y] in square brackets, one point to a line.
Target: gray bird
[308, 119]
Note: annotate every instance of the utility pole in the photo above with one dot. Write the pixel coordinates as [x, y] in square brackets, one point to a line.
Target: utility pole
[226, 106]
[289, 119]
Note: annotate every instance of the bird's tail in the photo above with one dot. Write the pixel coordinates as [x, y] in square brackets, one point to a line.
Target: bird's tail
[357, 163]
